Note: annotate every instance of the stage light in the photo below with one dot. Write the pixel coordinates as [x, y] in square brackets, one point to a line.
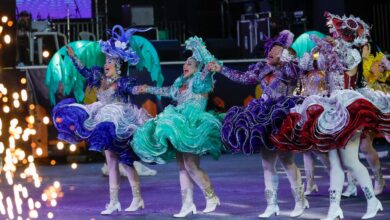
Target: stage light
[14, 122]
[15, 95]
[44, 197]
[1, 147]
[16, 103]
[53, 203]
[33, 214]
[56, 184]
[72, 148]
[6, 109]
[7, 39]
[50, 215]
[39, 151]
[60, 145]
[4, 19]
[74, 166]
[46, 120]
[1, 29]
[45, 54]
[23, 80]
[31, 106]
[24, 95]
[37, 205]
[10, 23]
[5, 99]
[31, 119]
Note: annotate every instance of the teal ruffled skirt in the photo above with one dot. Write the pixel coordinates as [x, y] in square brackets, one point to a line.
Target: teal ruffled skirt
[184, 128]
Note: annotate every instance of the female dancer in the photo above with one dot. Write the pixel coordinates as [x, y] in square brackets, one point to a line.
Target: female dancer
[108, 124]
[303, 45]
[186, 130]
[375, 69]
[247, 128]
[332, 124]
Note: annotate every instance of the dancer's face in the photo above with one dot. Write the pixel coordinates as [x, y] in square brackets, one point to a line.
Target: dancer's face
[189, 67]
[274, 55]
[109, 67]
[366, 50]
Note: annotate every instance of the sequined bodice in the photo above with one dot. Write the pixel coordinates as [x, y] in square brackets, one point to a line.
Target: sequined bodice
[107, 95]
[276, 84]
[185, 94]
[314, 83]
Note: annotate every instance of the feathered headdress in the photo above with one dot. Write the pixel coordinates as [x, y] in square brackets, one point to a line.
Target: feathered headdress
[284, 39]
[350, 29]
[199, 50]
[118, 45]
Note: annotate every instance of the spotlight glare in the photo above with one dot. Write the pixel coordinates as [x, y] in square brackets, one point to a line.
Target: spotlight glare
[16, 103]
[60, 145]
[45, 54]
[72, 148]
[15, 95]
[4, 19]
[50, 215]
[73, 166]
[7, 39]
[6, 109]
[46, 120]
[39, 151]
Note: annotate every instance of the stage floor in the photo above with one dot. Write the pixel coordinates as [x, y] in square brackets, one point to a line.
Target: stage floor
[237, 179]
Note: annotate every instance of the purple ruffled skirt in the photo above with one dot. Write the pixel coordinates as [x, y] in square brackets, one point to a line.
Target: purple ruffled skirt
[247, 128]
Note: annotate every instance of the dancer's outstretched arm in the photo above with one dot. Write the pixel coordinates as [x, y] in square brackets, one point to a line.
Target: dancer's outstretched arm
[93, 75]
[248, 77]
[159, 91]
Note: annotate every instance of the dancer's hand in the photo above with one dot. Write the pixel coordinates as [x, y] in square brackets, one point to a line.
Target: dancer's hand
[330, 40]
[214, 67]
[69, 50]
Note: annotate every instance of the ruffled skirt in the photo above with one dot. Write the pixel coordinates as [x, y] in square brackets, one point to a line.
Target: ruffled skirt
[326, 123]
[185, 128]
[247, 128]
[104, 126]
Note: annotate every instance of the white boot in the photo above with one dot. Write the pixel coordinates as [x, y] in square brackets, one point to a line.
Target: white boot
[137, 201]
[373, 204]
[301, 202]
[311, 186]
[310, 189]
[143, 170]
[379, 182]
[272, 204]
[335, 210]
[105, 169]
[212, 201]
[114, 204]
[351, 189]
[188, 205]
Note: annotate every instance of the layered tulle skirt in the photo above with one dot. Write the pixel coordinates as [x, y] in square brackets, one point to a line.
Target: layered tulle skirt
[186, 128]
[326, 123]
[104, 126]
[247, 129]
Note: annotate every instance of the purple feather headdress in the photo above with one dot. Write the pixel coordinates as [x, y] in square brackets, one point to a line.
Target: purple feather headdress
[284, 39]
[118, 46]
